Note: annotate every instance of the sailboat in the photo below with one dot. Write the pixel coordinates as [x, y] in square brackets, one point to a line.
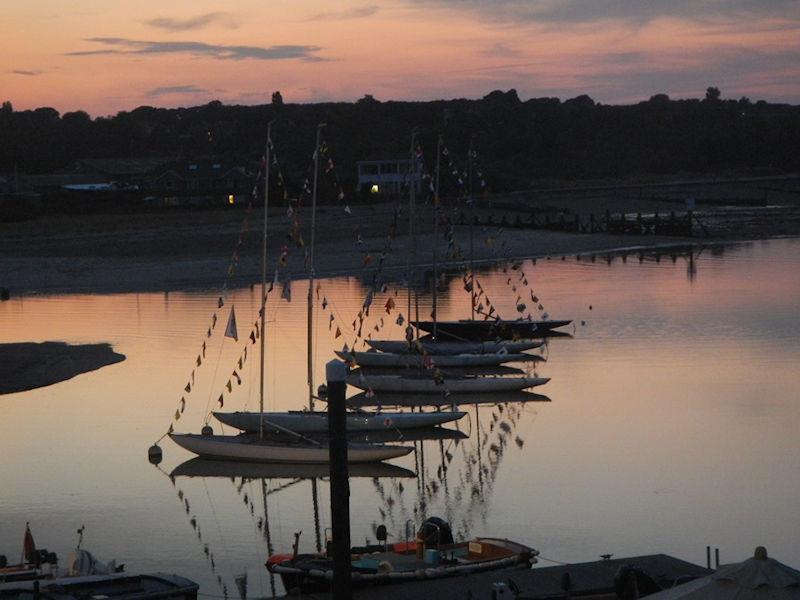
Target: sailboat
[390, 359]
[434, 346]
[427, 384]
[260, 448]
[317, 421]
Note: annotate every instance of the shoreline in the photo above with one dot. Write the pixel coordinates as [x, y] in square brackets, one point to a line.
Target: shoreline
[186, 251]
[26, 366]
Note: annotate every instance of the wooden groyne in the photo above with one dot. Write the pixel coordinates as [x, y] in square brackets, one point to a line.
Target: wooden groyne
[672, 224]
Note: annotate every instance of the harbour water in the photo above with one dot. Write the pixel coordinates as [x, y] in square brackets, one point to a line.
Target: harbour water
[672, 426]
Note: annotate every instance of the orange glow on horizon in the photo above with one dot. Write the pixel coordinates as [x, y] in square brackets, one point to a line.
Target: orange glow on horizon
[401, 51]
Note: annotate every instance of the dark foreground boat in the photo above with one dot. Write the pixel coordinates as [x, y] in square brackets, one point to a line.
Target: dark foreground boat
[491, 329]
[432, 555]
[116, 586]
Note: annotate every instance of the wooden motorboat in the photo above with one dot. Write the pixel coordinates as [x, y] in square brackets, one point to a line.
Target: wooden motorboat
[432, 555]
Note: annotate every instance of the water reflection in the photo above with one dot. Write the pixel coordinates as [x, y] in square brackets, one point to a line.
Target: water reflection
[674, 414]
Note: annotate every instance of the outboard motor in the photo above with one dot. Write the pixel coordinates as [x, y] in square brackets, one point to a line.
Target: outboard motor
[632, 582]
[435, 532]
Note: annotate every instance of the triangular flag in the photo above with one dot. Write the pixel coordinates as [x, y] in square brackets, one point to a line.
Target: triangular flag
[230, 328]
[338, 333]
[221, 401]
[220, 303]
[188, 388]
[229, 385]
[199, 362]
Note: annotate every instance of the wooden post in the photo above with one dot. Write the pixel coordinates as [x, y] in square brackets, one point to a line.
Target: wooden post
[336, 374]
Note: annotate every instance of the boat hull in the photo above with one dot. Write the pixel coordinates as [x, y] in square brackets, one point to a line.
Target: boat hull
[363, 399]
[492, 329]
[249, 449]
[202, 467]
[317, 422]
[312, 572]
[389, 360]
[439, 348]
[397, 384]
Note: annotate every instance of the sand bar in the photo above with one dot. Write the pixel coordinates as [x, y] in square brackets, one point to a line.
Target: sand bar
[28, 365]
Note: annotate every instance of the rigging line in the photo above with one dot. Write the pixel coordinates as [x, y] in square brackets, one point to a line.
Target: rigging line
[214, 380]
[219, 529]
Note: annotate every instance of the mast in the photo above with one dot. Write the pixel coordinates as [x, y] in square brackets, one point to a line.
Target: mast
[264, 281]
[436, 230]
[412, 260]
[310, 332]
[470, 201]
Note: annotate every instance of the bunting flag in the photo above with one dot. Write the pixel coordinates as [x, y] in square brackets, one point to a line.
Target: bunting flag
[252, 338]
[238, 378]
[324, 303]
[188, 388]
[183, 404]
[230, 328]
[229, 385]
[220, 304]
[204, 349]
[221, 401]
[338, 333]
[198, 361]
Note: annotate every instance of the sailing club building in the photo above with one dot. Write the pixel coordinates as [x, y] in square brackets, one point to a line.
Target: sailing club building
[389, 178]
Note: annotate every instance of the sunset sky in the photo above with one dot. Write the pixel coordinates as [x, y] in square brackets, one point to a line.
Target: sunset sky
[105, 56]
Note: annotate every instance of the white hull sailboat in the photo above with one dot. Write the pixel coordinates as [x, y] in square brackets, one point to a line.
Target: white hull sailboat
[256, 447]
[440, 347]
[428, 385]
[251, 448]
[390, 360]
[317, 421]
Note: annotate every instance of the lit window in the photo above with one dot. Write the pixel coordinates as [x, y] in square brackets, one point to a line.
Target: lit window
[374, 189]
[231, 199]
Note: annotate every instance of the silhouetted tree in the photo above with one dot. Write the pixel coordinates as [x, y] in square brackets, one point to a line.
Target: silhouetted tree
[277, 100]
[712, 94]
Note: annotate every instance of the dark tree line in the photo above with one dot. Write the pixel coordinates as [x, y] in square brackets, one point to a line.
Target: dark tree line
[518, 143]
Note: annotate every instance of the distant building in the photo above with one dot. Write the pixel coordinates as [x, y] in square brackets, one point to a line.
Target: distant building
[202, 181]
[387, 177]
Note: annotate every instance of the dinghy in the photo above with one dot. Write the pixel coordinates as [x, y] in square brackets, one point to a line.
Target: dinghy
[251, 448]
[431, 346]
[389, 360]
[432, 555]
[427, 384]
[317, 421]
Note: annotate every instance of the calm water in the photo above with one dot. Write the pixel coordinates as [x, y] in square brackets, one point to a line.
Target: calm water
[673, 423]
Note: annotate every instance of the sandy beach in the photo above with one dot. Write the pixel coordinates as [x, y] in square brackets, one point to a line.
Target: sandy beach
[183, 249]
